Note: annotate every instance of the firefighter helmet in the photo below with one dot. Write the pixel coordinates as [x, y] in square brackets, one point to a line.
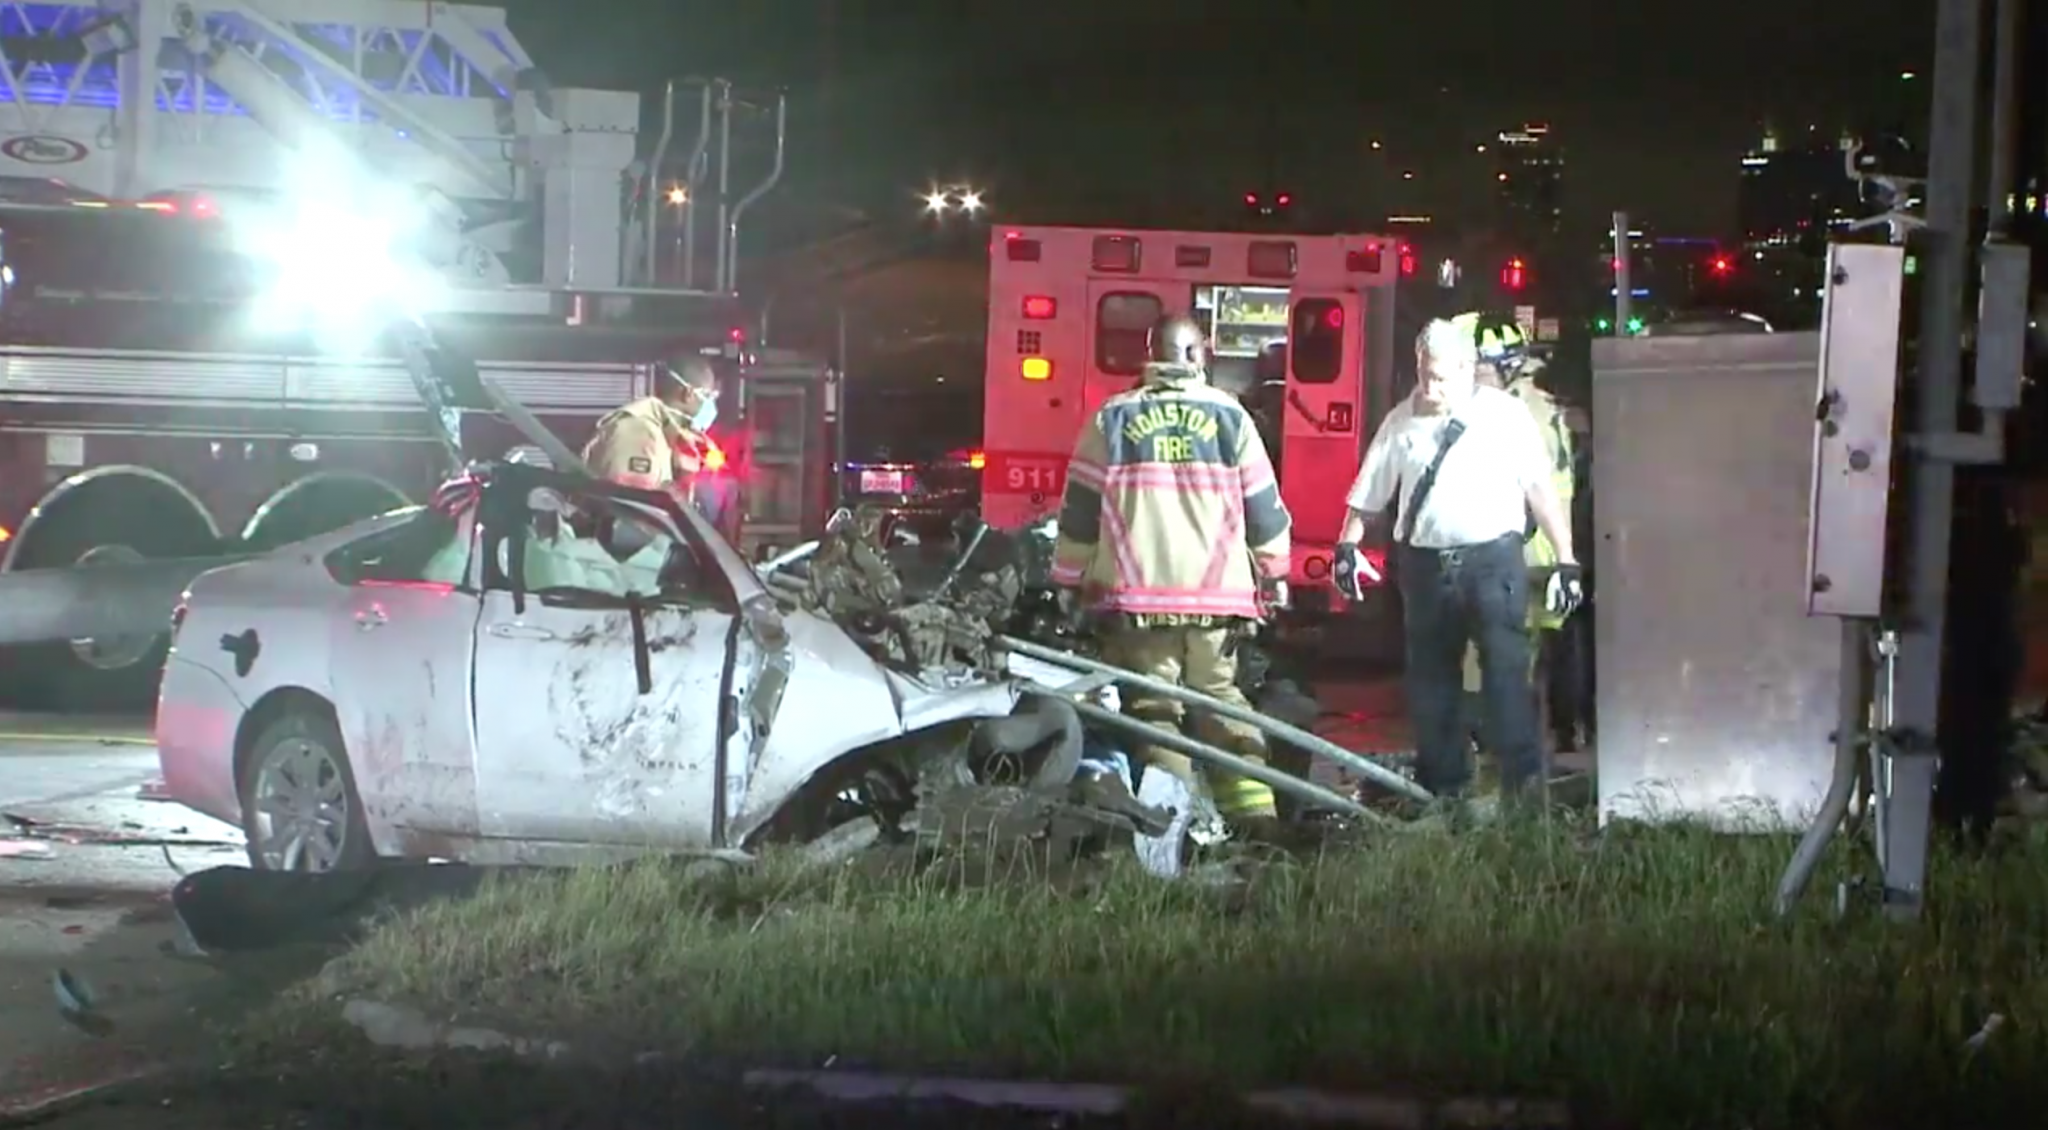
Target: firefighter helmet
[1501, 344]
[1176, 339]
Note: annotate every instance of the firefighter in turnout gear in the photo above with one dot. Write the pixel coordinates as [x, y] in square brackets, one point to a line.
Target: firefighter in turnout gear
[1173, 531]
[1506, 364]
[659, 441]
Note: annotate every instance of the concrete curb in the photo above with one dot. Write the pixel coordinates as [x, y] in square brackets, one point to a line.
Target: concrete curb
[408, 1029]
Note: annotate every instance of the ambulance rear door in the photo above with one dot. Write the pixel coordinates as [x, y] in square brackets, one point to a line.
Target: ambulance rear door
[1323, 420]
[1037, 373]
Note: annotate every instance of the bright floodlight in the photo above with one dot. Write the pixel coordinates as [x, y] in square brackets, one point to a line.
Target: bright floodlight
[342, 252]
[678, 195]
[936, 201]
[970, 201]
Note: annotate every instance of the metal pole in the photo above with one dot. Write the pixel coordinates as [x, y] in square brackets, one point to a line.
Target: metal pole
[693, 190]
[96, 601]
[724, 182]
[1624, 289]
[839, 418]
[731, 282]
[651, 195]
[1907, 783]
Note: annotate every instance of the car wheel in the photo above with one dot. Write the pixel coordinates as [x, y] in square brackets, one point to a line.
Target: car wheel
[300, 808]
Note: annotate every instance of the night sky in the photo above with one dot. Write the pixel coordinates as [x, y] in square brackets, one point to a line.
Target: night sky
[1104, 109]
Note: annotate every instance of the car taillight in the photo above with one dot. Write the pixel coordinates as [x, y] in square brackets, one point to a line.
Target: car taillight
[1035, 369]
[1039, 307]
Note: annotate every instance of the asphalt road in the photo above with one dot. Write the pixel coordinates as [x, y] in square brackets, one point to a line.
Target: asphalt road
[86, 864]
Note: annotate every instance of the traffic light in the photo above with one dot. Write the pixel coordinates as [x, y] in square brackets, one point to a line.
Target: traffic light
[1721, 265]
[1407, 260]
[1515, 275]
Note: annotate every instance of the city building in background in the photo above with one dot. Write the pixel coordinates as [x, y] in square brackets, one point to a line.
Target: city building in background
[1529, 184]
[1794, 194]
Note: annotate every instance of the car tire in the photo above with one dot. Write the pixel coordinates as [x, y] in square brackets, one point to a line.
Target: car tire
[300, 759]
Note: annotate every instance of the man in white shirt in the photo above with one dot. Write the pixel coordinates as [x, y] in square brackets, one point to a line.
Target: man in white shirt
[1467, 469]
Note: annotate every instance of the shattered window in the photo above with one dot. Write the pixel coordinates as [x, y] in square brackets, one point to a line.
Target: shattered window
[587, 546]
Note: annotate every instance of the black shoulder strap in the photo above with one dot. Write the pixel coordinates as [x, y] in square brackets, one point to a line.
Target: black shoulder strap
[1424, 485]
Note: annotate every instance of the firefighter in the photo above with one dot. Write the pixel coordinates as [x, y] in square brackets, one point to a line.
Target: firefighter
[1173, 531]
[1466, 467]
[1505, 363]
[659, 441]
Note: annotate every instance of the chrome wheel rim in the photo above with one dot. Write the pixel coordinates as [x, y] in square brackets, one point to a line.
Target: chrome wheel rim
[301, 808]
[117, 652]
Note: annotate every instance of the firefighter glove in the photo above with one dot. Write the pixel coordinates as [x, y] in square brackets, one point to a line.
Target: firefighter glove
[1564, 592]
[1273, 595]
[1352, 572]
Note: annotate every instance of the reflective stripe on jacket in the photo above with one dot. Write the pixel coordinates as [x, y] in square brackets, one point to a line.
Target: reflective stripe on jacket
[1557, 444]
[1171, 504]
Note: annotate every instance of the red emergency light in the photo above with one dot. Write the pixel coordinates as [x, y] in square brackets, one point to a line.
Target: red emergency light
[1040, 307]
[714, 457]
[1333, 318]
[1720, 265]
[976, 460]
[1365, 261]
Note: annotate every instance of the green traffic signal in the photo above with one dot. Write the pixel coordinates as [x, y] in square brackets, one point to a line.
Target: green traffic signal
[1635, 325]
[1603, 325]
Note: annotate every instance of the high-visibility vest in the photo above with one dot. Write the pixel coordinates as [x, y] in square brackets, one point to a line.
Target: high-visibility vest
[1537, 551]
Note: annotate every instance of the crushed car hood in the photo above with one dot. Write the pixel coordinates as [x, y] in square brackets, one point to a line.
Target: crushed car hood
[840, 699]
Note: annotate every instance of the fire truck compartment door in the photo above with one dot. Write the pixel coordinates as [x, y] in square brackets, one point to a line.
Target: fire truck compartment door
[1324, 413]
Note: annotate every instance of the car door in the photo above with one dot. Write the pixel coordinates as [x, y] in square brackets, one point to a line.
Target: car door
[400, 653]
[591, 729]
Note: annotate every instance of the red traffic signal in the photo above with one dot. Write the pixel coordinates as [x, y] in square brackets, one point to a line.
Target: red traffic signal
[1515, 275]
[1721, 265]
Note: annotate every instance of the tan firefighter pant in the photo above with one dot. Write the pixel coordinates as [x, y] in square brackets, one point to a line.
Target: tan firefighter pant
[1202, 660]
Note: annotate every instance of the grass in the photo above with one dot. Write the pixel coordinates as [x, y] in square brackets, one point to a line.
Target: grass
[1637, 974]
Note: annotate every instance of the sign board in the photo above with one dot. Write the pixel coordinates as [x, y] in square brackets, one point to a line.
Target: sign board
[43, 149]
[1525, 320]
[1546, 329]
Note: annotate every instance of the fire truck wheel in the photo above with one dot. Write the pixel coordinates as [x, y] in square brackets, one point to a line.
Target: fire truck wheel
[317, 505]
[108, 521]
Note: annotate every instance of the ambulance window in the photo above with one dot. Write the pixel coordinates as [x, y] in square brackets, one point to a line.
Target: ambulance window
[1317, 340]
[1123, 322]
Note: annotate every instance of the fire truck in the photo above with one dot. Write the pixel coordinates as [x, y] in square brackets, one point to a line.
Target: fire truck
[148, 410]
[1302, 330]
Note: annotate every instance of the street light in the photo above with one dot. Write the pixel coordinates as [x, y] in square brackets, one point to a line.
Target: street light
[678, 196]
[941, 199]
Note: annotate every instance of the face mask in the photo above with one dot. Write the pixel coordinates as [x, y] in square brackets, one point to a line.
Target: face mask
[705, 416]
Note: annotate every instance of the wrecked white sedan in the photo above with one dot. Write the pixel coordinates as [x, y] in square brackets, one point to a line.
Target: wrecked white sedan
[535, 669]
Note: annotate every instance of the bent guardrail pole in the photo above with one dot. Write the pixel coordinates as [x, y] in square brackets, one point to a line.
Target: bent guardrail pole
[1202, 751]
[96, 601]
[1293, 735]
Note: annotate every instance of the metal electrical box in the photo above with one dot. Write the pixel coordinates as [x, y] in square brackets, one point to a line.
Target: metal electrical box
[1853, 430]
[1717, 692]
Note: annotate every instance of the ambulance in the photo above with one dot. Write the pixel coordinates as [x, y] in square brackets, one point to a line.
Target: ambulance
[1302, 328]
